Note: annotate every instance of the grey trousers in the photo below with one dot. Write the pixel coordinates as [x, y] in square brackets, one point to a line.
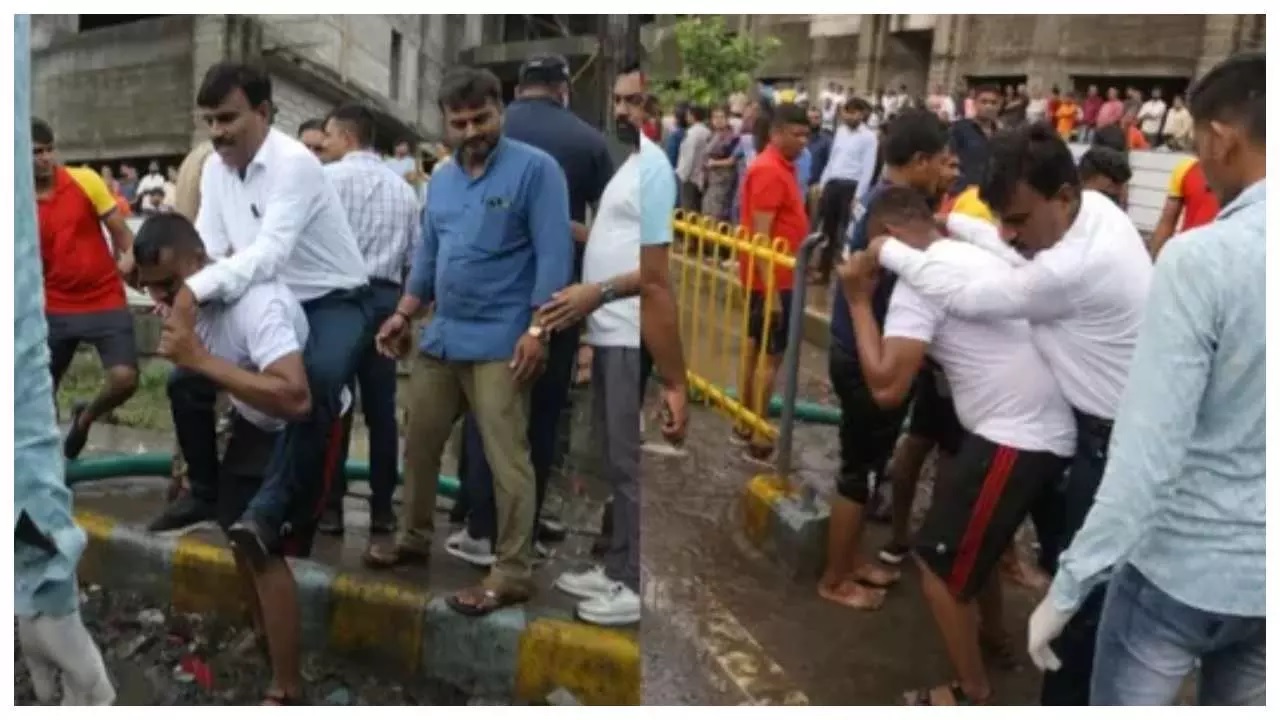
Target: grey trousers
[616, 407]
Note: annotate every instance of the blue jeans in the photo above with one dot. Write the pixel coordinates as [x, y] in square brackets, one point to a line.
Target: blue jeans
[376, 376]
[546, 403]
[310, 452]
[1148, 643]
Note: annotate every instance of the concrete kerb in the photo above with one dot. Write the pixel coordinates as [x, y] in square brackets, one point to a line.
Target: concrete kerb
[776, 521]
[508, 654]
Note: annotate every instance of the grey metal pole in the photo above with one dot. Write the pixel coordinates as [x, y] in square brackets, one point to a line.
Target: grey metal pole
[791, 357]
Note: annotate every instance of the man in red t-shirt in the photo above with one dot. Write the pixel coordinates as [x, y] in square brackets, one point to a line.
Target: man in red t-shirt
[1190, 198]
[772, 206]
[83, 293]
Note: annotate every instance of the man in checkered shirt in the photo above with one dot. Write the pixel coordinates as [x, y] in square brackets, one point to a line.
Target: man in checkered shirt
[384, 214]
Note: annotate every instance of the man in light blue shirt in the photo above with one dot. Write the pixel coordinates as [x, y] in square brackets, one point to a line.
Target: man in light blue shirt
[846, 177]
[495, 248]
[47, 543]
[1181, 510]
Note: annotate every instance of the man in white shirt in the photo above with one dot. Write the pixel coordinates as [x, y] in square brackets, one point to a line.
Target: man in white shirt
[384, 214]
[1020, 432]
[1084, 292]
[1151, 117]
[252, 348]
[265, 197]
[626, 260]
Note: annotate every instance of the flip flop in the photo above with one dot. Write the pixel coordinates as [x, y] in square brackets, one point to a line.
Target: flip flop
[466, 602]
[895, 576]
[853, 596]
[932, 696]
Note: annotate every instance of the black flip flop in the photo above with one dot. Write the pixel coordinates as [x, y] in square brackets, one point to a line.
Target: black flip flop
[924, 696]
[492, 602]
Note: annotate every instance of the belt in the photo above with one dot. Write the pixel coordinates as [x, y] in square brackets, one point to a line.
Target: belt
[1093, 426]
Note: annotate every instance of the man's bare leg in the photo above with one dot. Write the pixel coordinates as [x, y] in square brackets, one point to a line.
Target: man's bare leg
[904, 473]
[120, 384]
[958, 625]
[278, 593]
[844, 533]
[747, 384]
[249, 588]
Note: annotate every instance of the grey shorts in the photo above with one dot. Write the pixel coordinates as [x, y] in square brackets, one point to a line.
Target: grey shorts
[110, 333]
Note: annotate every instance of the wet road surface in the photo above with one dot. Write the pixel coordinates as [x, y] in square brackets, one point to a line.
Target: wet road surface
[724, 625]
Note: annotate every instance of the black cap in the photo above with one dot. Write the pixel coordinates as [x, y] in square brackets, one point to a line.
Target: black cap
[544, 69]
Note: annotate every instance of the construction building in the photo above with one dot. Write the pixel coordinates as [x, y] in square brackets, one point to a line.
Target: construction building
[122, 87]
[868, 52]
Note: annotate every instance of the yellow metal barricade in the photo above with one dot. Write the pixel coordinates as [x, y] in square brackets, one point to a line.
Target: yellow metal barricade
[712, 258]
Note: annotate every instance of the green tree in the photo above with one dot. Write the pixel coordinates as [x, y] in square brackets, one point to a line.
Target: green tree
[715, 62]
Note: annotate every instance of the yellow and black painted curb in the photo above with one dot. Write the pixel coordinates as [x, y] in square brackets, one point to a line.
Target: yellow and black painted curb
[508, 654]
[774, 521]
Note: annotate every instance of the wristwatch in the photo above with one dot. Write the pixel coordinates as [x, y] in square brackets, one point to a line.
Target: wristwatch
[608, 293]
[537, 332]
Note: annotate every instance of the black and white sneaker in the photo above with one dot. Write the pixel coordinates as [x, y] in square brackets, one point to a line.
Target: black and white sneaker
[550, 529]
[894, 553]
[183, 515]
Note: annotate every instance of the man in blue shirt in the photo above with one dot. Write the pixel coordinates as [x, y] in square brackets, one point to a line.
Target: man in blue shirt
[916, 155]
[493, 251]
[540, 117]
[1181, 509]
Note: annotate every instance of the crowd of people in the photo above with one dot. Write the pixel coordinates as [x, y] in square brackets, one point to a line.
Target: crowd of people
[988, 285]
[998, 300]
[301, 270]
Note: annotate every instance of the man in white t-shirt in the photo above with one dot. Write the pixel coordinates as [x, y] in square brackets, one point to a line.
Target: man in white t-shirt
[626, 260]
[1151, 117]
[1020, 432]
[251, 347]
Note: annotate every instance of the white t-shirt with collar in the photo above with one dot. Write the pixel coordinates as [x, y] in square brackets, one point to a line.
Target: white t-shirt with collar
[283, 220]
[264, 325]
[1002, 388]
[1085, 296]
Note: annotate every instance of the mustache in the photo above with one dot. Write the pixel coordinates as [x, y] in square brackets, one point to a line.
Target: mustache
[219, 142]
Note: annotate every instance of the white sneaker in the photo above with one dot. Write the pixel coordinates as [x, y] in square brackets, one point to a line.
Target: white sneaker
[620, 606]
[586, 583]
[477, 551]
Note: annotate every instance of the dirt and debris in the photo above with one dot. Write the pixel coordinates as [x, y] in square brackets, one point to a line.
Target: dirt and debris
[157, 656]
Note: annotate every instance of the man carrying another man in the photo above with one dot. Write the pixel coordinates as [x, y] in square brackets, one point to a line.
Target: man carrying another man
[1083, 292]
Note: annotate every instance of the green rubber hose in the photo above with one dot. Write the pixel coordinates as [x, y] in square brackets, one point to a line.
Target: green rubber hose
[100, 467]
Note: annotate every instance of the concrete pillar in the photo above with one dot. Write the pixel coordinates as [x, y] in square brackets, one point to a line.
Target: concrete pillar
[949, 39]
[1223, 35]
[1045, 67]
[209, 46]
[872, 33]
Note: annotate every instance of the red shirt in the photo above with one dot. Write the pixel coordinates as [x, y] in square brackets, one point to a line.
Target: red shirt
[1199, 204]
[80, 273]
[770, 186]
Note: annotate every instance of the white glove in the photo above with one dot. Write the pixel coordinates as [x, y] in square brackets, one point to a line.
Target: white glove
[1044, 627]
[53, 645]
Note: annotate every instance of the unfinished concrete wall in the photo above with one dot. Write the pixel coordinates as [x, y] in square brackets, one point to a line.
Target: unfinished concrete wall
[117, 92]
